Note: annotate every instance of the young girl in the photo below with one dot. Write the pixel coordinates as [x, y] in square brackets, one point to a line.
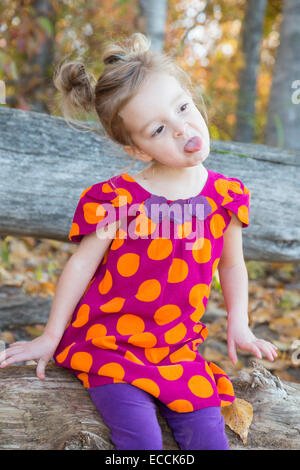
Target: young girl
[126, 314]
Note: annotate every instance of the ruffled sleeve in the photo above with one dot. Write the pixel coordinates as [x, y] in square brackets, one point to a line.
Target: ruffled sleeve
[236, 199]
[99, 205]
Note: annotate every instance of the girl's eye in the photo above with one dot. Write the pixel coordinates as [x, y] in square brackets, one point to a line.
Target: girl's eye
[186, 104]
[156, 132]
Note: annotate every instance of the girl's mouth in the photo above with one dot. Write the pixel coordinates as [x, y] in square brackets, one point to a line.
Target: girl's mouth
[193, 145]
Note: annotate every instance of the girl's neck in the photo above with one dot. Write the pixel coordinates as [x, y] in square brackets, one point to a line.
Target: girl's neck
[173, 183]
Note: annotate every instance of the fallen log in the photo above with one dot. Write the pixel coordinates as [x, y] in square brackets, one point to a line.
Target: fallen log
[57, 414]
[45, 165]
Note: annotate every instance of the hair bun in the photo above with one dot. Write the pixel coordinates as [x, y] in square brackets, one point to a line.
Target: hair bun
[126, 49]
[75, 83]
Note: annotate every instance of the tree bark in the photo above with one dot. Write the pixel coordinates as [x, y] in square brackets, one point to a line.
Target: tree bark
[57, 413]
[251, 40]
[45, 165]
[152, 21]
[284, 112]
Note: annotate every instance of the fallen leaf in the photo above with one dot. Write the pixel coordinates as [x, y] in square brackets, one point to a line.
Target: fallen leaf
[238, 417]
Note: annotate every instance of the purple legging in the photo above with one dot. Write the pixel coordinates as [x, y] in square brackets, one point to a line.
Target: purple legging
[130, 413]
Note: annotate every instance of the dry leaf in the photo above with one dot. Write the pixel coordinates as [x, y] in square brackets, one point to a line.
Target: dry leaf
[238, 416]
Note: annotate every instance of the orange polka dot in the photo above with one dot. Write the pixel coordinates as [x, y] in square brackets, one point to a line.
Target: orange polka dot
[216, 369]
[243, 214]
[63, 355]
[172, 372]
[217, 225]
[105, 342]
[148, 385]
[131, 357]
[106, 283]
[197, 292]
[160, 248]
[114, 305]
[93, 212]
[82, 316]
[215, 265]
[183, 354]
[149, 290]
[124, 197]
[84, 379]
[81, 361]
[130, 324]
[106, 188]
[166, 314]
[202, 250]
[117, 243]
[143, 340]
[198, 313]
[128, 264]
[144, 226]
[178, 270]
[183, 230]
[181, 406]
[96, 331]
[156, 355]
[127, 177]
[209, 371]
[224, 386]
[74, 230]
[225, 403]
[200, 386]
[212, 204]
[176, 334]
[112, 369]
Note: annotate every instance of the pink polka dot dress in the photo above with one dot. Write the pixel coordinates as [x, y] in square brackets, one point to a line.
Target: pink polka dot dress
[138, 321]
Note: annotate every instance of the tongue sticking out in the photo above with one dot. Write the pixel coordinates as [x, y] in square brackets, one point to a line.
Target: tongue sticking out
[193, 145]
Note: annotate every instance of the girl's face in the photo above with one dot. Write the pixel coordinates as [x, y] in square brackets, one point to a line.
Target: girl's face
[161, 118]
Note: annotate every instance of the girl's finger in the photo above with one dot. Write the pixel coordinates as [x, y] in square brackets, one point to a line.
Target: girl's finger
[40, 370]
[266, 350]
[255, 350]
[17, 343]
[232, 352]
[9, 352]
[12, 360]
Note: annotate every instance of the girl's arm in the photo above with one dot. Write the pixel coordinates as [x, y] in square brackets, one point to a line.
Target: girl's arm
[71, 285]
[234, 283]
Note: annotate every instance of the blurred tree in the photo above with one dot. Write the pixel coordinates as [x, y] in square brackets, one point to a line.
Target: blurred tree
[284, 113]
[152, 21]
[252, 31]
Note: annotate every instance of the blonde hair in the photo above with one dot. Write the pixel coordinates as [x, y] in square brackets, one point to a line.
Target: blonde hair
[127, 63]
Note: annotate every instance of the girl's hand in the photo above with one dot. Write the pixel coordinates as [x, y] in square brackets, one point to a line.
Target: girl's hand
[240, 335]
[41, 349]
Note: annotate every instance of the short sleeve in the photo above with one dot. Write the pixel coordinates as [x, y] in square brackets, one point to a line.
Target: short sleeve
[99, 205]
[237, 200]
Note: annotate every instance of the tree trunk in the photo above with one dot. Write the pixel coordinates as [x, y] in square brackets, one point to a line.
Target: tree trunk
[251, 40]
[45, 166]
[284, 110]
[152, 21]
[58, 413]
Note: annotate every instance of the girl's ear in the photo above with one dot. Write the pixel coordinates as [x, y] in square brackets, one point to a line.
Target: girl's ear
[135, 153]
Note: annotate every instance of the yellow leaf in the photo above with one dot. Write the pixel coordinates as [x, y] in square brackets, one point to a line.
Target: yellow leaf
[238, 416]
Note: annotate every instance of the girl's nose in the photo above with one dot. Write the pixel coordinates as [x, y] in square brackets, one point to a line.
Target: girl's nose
[179, 128]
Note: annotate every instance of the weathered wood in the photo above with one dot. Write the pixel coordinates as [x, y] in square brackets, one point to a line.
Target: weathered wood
[58, 414]
[18, 309]
[45, 165]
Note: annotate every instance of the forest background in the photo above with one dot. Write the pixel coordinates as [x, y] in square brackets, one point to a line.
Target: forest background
[240, 54]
